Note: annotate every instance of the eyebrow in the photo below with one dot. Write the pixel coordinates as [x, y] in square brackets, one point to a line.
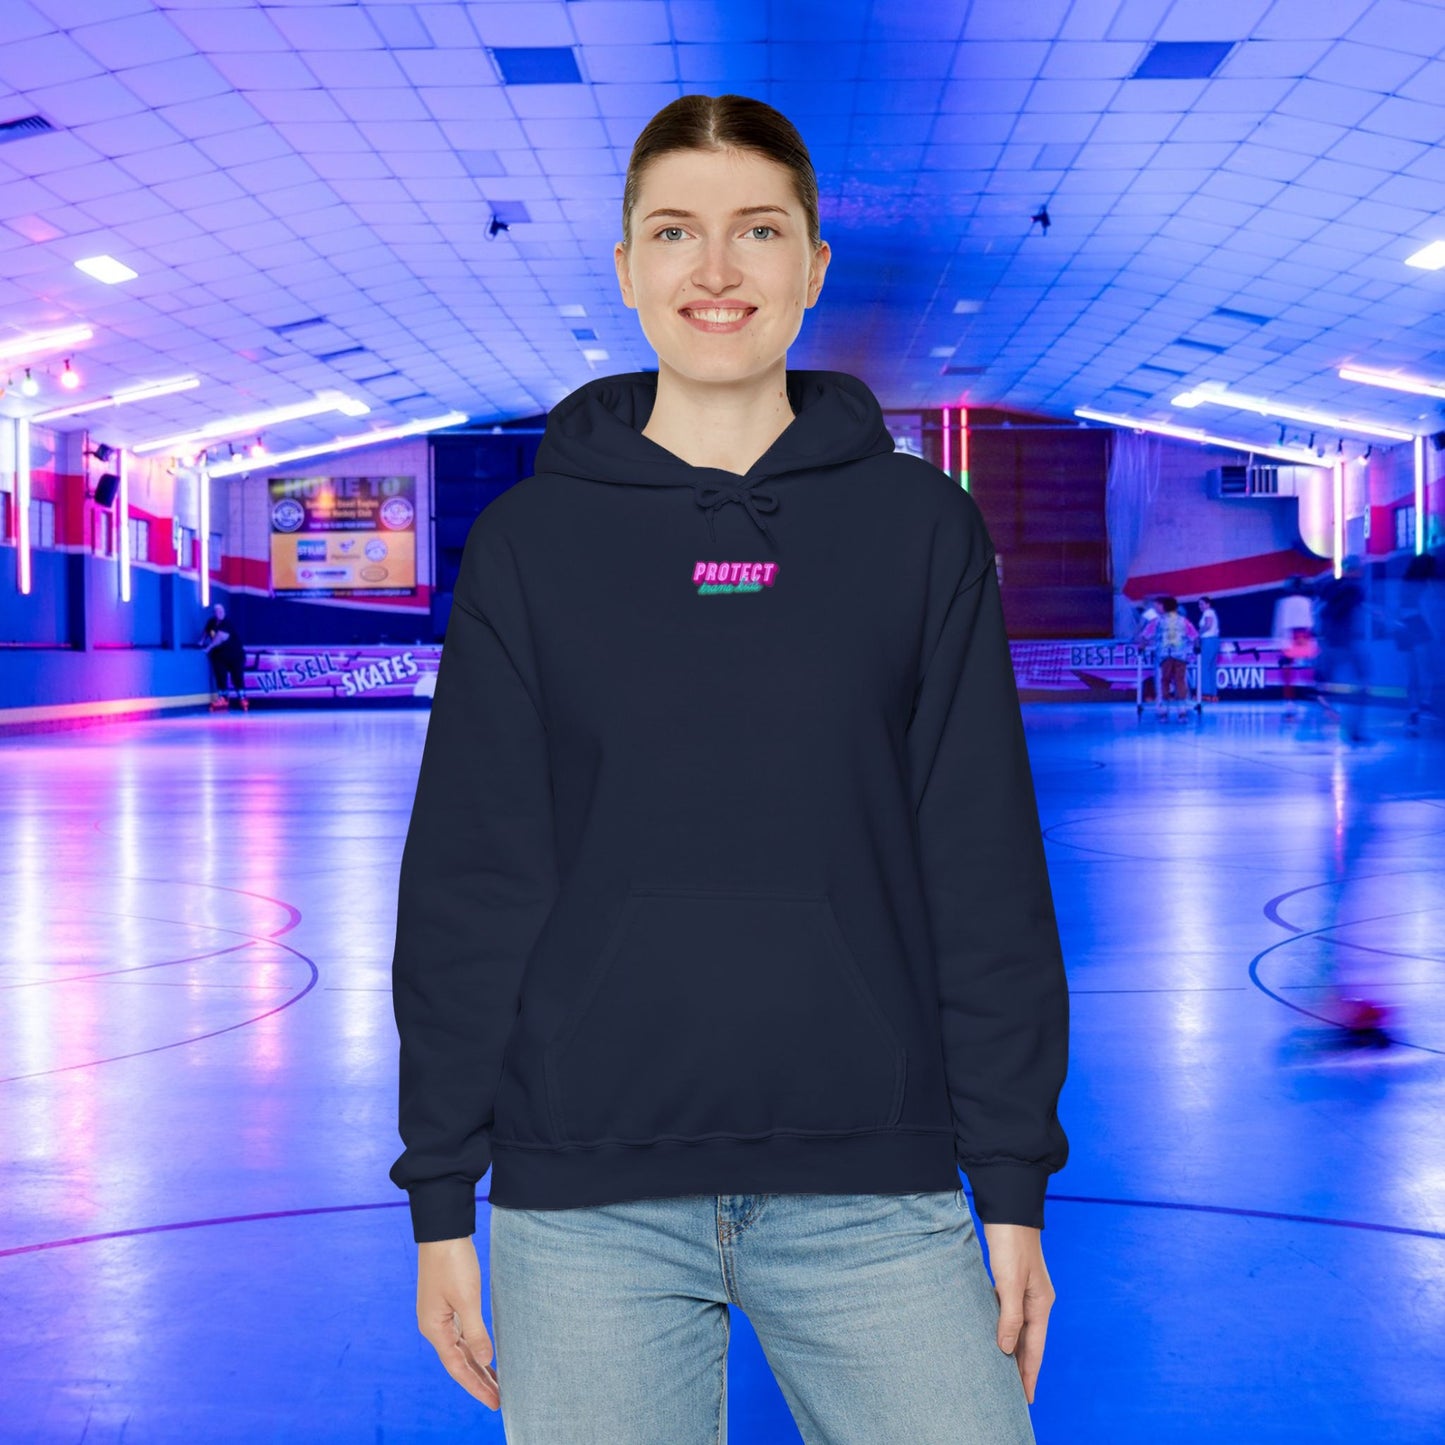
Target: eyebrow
[741, 211]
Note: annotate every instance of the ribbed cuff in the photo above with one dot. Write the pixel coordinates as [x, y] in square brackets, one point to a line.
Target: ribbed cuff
[443, 1209]
[1008, 1193]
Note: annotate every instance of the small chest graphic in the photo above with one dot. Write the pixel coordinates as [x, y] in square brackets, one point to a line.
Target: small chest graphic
[714, 578]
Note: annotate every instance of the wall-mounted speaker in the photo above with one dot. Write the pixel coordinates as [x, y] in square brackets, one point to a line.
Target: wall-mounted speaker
[1438, 440]
[105, 489]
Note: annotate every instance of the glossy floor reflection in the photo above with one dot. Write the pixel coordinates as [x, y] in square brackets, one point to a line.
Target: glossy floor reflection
[198, 1240]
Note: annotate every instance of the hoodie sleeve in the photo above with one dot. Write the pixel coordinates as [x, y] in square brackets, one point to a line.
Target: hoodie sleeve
[1002, 989]
[476, 883]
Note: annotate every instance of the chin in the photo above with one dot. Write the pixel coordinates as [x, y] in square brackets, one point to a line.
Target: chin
[695, 363]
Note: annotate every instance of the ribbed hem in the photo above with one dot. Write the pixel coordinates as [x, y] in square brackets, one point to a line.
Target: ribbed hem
[880, 1162]
[443, 1209]
[1008, 1193]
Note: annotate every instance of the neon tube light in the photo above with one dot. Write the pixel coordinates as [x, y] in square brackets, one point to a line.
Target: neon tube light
[1391, 380]
[1263, 406]
[123, 516]
[365, 439]
[1191, 434]
[1339, 511]
[1419, 496]
[322, 402]
[947, 447]
[36, 341]
[120, 398]
[203, 568]
[963, 447]
[22, 502]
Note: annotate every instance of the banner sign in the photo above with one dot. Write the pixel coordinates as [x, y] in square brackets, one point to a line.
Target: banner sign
[1059, 671]
[343, 674]
[1108, 669]
[343, 536]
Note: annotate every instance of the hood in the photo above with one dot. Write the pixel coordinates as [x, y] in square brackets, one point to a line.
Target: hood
[596, 433]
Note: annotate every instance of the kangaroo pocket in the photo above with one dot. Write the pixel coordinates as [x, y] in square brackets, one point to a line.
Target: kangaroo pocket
[711, 1013]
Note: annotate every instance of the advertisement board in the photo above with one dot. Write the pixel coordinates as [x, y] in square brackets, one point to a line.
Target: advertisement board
[343, 536]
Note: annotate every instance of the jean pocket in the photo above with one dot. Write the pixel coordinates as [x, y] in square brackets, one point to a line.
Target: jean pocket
[728, 1014]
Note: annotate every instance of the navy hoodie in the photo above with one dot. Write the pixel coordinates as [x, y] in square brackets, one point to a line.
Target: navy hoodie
[724, 872]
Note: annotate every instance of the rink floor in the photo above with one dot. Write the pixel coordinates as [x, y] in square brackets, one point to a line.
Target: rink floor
[199, 1242]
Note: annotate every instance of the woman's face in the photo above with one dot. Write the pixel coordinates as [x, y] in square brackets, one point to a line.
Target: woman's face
[700, 251]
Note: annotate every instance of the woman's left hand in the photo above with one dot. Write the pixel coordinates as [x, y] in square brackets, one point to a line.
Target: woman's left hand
[1025, 1296]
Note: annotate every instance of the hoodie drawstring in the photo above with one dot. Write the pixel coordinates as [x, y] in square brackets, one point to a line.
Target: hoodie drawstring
[753, 499]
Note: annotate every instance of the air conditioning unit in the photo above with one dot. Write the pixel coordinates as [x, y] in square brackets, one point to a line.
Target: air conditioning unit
[1266, 479]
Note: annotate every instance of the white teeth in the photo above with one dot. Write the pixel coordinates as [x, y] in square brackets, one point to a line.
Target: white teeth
[727, 314]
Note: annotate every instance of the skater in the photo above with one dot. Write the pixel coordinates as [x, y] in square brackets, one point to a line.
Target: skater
[1208, 651]
[1343, 667]
[720, 940]
[1415, 638]
[1174, 636]
[222, 643]
[1294, 635]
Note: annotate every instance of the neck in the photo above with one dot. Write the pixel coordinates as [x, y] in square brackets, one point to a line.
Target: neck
[724, 425]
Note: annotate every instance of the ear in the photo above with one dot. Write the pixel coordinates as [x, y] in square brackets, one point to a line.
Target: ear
[817, 270]
[624, 279]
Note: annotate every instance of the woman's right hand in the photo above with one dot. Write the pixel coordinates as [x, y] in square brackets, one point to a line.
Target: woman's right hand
[449, 1315]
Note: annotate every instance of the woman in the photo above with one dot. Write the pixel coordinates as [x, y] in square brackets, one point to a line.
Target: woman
[1173, 638]
[725, 874]
[1208, 651]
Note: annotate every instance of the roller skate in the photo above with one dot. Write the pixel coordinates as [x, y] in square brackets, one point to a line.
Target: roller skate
[1363, 1020]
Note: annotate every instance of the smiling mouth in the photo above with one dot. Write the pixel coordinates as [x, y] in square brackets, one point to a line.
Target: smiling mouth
[717, 313]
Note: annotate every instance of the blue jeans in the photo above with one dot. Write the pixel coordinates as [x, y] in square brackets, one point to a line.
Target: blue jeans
[874, 1311]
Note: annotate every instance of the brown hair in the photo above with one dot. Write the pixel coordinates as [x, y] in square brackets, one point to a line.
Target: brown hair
[717, 123]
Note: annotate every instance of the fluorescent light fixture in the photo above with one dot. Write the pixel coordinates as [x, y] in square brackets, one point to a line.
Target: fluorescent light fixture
[323, 402]
[120, 398]
[341, 444]
[34, 341]
[1191, 434]
[1391, 381]
[107, 269]
[1218, 395]
[1428, 258]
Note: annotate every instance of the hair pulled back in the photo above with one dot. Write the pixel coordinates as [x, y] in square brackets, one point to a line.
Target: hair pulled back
[720, 123]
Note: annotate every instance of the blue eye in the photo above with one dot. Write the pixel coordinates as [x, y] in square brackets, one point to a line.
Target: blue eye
[763, 228]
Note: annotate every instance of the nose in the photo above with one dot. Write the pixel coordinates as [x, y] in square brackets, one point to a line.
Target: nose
[717, 268]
